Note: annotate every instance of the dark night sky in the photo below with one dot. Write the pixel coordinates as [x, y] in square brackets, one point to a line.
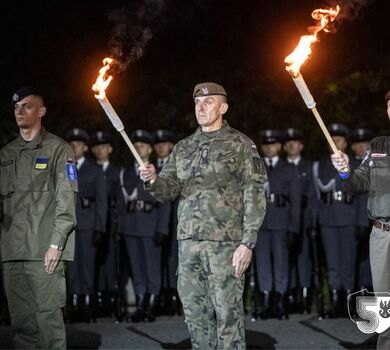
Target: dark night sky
[59, 45]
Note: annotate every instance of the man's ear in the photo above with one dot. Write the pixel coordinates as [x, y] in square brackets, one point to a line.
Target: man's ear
[42, 111]
[224, 108]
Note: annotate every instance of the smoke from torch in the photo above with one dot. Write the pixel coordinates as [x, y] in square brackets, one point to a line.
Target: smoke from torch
[300, 55]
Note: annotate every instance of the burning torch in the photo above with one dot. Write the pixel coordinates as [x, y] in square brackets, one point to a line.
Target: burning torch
[301, 53]
[100, 87]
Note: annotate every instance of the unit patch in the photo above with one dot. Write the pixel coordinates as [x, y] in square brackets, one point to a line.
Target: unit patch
[41, 163]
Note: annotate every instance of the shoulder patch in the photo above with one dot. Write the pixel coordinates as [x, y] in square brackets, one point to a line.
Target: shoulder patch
[71, 170]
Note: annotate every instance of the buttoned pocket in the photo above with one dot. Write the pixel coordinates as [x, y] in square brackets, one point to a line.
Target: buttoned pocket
[7, 177]
[380, 172]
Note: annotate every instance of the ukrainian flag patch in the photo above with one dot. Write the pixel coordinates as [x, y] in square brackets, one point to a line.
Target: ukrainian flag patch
[41, 163]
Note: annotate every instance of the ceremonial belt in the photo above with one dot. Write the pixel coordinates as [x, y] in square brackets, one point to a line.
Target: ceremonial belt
[381, 225]
[336, 196]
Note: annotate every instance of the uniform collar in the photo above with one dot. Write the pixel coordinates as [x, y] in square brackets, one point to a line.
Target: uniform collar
[35, 142]
[218, 134]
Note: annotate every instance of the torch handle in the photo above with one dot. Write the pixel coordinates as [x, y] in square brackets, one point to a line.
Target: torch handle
[325, 130]
[132, 148]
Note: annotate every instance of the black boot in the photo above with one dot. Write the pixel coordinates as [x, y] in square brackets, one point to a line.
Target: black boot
[150, 312]
[292, 300]
[87, 309]
[139, 314]
[72, 309]
[280, 303]
[305, 307]
[175, 302]
[334, 304]
[266, 310]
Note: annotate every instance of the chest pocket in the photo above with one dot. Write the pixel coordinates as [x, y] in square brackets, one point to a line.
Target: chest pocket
[7, 177]
[40, 175]
[226, 166]
[186, 163]
[380, 174]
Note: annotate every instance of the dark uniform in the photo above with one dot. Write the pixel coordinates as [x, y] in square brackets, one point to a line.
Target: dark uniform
[107, 257]
[170, 244]
[301, 264]
[37, 201]
[142, 221]
[281, 222]
[91, 222]
[337, 219]
[363, 223]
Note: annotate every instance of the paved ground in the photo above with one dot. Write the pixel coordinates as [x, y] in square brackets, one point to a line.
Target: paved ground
[299, 332]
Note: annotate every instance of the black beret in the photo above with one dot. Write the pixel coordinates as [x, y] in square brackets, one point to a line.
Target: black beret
[208, 89]
[141, 136]
[25, 91]
[77, 134]
[292, 134]
[361, 134]
[338, 129]
[101, 137]
[163, 135]
[270, 136]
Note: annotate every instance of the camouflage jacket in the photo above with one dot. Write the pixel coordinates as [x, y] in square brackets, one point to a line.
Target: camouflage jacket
[37, 198]
[373, 176]
[219, 177]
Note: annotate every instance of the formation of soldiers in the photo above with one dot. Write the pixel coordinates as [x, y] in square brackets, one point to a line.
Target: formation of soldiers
[314, 233]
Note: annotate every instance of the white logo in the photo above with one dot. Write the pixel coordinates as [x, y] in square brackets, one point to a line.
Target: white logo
[370, 311]
[15, 97]
[205, 90]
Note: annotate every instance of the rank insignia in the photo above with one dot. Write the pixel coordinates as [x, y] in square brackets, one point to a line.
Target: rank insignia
[41, 163]
[71, 171]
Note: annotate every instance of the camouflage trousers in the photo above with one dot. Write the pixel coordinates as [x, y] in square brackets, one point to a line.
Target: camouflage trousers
[211, 295]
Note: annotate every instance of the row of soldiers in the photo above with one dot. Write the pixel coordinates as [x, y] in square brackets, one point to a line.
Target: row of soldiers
[122, 231]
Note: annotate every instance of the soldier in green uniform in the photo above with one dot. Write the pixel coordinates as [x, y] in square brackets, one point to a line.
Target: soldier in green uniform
[373, 176]
[38, 182]
[219, 176]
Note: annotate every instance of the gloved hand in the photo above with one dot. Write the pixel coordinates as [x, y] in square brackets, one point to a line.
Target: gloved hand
[291, 240]
[361, 233]
[97, 238]
[159, 238]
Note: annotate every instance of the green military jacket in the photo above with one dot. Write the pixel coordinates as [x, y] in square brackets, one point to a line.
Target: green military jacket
[373, 175]
[219, 177]
[37, 197]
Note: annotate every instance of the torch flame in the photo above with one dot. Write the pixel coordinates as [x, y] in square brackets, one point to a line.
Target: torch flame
[103, 80]
[302, 52]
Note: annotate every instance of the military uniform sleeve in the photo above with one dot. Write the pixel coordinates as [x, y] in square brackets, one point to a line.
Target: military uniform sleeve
[253, 176]
[101, 201]
[295, 201]
[65, 198]
[359, 179]
[167, 185]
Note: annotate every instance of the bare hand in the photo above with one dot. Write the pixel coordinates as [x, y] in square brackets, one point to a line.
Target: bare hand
[340, 161]
[52, 258]
[147, 173]
[241, 259]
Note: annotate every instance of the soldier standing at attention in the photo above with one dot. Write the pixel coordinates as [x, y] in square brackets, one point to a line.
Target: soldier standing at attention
[300, 269]
[38, 182]
[142, 221]
[91, 213]
[219, 176]
[107, 249]
[280, 226]
[360, 139]
[163, 142]
[373, 176]
[337, 219]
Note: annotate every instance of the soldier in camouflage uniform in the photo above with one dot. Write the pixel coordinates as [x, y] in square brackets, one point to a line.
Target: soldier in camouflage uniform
[38, 182]
[373, 176]
[219, 176]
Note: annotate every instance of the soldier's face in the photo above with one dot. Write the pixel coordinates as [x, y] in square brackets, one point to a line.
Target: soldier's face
[79, 148]
[144, 150]
[360, 148]
[293, 148]
[209, 111]
[163, 149]
[29, 112]
[102, 152]
[388, 108]
[271, 149]
[341, 142]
